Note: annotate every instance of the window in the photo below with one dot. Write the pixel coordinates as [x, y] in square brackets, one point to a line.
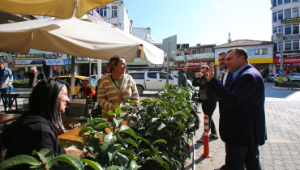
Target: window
[138, 54]
[296, 45]
[287, 29]
[137, 75]
[274, 17]
[275, 47]
[274, 3]
[280, 29]
[152, 75]
[288, 45]
[194, 51]
[250, 52]
[280, 15]
[162, 75]
[264, 51]
[287, 1]
[114, 11]
[208, 50]
[295, 0]
[295, 12]
[296, 29]
[287, 13]
[275, 30]
[279, 2]
[102, 11]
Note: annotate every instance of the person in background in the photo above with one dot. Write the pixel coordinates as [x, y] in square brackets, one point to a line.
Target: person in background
[87, 89]
[227, 76]
[34, 77]
[98, 109]
[116, 87]
[208, 100]
[6, 80]
[182, 79]
[242, 115]
[39, 127]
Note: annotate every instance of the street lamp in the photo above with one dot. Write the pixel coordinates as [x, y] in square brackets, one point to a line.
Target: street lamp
[278, 37]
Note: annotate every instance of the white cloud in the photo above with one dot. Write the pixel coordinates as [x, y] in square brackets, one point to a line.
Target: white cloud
[222, 4]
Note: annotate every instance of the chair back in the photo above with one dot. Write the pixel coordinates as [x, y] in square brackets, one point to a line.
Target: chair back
[11, 99]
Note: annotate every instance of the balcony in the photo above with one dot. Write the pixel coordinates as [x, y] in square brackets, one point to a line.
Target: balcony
[196, 56]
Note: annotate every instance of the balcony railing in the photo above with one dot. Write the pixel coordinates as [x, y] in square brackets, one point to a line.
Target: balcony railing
[195, 56]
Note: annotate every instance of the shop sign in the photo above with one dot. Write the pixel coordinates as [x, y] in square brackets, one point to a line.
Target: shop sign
[67, 61]
[290, 20]
[55, 62]
[29, 62]
[294, 53]
[291, 37]
[23, 56]
[288, 60]
[204, 56]
[196, 64]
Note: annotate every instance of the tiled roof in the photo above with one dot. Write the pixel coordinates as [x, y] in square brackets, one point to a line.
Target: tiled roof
[240, 43]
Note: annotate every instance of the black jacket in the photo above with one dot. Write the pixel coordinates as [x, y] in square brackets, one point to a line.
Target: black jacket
[31, 77]
[211, 97]
[27, 134]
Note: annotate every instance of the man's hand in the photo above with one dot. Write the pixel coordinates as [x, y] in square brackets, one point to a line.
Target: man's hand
[211, 71]
[9, 84]
[199, 75]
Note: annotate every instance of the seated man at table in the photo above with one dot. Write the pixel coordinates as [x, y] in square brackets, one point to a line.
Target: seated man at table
[87, 89]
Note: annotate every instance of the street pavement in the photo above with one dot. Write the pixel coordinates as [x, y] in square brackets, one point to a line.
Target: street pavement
[282, 149]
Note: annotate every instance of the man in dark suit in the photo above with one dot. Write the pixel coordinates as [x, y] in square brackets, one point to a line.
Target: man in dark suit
[242, 115]
[226, 76]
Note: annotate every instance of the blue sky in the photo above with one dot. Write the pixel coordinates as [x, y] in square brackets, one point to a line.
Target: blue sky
[203, 21]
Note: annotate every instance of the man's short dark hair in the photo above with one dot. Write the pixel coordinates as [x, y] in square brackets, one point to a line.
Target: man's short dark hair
[222, 53]
[204, 66]
[239, 52]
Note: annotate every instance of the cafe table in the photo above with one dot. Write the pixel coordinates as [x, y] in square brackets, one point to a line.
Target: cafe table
[5, 118]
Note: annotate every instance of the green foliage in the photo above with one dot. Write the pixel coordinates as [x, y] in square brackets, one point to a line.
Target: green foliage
[289, 84]
[154, 136]
[21, 83]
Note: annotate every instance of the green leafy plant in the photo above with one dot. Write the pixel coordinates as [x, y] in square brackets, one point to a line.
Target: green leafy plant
[21, 83]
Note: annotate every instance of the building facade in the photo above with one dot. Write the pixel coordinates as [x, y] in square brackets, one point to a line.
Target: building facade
[286, 20]
[193, 57]
[260, 54]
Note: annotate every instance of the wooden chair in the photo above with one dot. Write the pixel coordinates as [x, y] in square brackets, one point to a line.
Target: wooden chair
[12, 108]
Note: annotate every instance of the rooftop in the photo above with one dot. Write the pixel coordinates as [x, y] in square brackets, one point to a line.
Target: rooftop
[245, 42]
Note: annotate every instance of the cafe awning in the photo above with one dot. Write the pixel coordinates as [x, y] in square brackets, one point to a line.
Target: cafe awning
[23, 65]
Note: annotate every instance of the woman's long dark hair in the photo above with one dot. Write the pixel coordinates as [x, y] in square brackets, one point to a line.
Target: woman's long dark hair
[43, 101]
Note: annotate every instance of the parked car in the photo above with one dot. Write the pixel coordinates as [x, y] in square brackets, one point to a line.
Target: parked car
[78, 82]
[151, 80]
[276, 78]
[271, 77]
[293, 77]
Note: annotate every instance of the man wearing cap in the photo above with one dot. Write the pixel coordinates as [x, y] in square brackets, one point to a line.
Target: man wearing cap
[6, 80]
[86, 88]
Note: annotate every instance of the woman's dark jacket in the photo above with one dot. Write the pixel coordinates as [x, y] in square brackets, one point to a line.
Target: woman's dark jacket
[211, 96]
[29, 133]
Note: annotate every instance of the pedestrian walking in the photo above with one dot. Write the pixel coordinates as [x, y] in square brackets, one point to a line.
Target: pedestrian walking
[6, 80]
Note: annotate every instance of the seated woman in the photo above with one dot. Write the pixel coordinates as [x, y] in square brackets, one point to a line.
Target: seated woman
[116, 87]
[39, 127]
[86, 88]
